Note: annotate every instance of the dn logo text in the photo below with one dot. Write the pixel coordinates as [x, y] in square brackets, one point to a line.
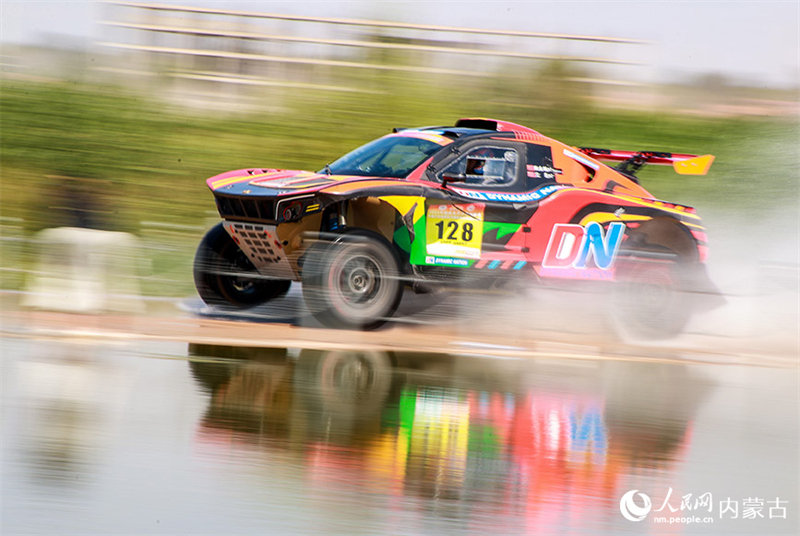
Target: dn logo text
[572, 245]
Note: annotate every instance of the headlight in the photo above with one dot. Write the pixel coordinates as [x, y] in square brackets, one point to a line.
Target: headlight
[295, 208]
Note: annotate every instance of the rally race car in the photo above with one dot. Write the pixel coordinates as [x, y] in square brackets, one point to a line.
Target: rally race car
[430, 207]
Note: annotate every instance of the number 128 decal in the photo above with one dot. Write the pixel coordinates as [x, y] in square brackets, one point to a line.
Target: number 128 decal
[455, 230]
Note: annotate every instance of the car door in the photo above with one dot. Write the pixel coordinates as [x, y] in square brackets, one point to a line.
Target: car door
[483, 209]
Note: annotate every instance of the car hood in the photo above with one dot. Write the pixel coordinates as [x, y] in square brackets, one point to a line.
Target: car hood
[259, 181]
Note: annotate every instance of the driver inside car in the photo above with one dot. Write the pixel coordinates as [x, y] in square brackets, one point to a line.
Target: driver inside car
[475, 166]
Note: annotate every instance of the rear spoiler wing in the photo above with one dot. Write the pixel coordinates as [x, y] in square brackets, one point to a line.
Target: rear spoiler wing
[630, 162]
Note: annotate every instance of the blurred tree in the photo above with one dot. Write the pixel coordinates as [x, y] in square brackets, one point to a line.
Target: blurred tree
[552, 96]
[560, 89]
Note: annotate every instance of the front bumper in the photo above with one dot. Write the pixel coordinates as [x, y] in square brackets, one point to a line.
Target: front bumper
[263, 248]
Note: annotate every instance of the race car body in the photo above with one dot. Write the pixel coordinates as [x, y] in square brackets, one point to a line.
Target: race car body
[419, 207]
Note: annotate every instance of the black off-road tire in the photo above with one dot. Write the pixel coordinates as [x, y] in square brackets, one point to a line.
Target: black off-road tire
[224, 276]
[352, 282]
[651, 302]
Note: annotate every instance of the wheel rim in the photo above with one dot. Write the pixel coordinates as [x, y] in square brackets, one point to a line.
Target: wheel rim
[360, 284]
[359, 281]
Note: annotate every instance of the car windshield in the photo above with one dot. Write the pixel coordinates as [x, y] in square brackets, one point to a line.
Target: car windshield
[390, 156]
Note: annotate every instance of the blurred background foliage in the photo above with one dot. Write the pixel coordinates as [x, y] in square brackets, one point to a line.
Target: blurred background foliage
[145, 159]
[77, 153]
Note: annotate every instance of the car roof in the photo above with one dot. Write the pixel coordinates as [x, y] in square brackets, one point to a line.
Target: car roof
[460, 132]
[454, 133]
[479, 126]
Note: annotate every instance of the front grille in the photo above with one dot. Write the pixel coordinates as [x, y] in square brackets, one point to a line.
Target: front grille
[246, 208]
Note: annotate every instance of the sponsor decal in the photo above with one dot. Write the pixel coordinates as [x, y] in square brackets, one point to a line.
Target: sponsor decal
[541, 193]
[455, 230]
[543, 172]
[572, 246]
[446, 261]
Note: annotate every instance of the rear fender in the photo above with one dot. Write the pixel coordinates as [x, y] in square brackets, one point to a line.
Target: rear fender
[668, 245]
[663, 235]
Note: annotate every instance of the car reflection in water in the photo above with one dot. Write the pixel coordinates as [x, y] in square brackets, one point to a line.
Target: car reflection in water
[503, 445]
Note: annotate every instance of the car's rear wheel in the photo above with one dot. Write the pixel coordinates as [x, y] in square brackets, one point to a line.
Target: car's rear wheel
[650, 299]
[223, 275]
[352, 282]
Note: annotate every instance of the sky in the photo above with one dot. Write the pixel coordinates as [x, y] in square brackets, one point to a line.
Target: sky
[755, 42]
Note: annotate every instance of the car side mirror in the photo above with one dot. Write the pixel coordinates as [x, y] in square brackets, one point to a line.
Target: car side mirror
[452, 177]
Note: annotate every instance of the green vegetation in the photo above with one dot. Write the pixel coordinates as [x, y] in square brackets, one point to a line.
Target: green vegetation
[125, 160]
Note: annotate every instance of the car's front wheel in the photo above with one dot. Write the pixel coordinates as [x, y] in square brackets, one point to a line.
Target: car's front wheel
[223, 275]
[352, 282]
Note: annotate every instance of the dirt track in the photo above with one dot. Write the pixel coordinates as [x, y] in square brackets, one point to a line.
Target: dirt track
[505, 334]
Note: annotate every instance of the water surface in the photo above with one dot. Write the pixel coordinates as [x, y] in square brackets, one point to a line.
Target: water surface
[174, 439]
